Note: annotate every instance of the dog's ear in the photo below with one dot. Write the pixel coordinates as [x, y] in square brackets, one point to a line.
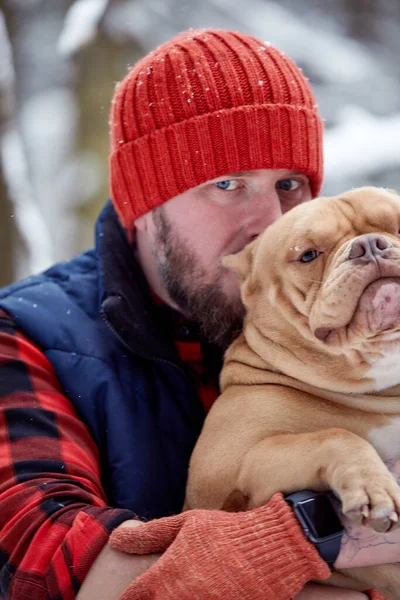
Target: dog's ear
[241, 262]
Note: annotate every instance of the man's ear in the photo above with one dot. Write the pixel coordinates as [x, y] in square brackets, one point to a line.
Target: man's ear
[141, 223]
[241, 262]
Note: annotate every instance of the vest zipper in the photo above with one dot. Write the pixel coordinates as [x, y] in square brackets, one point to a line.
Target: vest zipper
[124, 343]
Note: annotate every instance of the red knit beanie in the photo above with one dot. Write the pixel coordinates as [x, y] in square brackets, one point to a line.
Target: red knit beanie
[205, 104]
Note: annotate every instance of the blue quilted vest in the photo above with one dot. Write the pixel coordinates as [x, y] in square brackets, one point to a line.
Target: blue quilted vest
[93, 319]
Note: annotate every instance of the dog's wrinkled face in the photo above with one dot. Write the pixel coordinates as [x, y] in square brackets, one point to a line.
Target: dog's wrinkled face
[329, 272]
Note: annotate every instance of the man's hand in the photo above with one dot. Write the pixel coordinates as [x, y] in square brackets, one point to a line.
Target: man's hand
[362, 546]
[314, 591]
[113, 571]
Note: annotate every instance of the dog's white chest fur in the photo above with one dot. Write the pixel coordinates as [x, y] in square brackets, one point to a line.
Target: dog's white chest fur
[386, 440]
[386, 370]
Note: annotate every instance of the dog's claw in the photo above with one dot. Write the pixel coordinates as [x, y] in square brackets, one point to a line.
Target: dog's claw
[358, 515]
[394, 517]
[365, 511]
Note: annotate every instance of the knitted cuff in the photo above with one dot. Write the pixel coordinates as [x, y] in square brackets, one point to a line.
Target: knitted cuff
[271, 535]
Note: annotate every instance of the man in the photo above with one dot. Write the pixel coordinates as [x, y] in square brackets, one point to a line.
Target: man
[108, 363]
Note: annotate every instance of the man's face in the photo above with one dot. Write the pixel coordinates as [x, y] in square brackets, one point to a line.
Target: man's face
[190, 234]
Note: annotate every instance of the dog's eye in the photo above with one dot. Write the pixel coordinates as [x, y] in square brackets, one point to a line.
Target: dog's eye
[309, 256]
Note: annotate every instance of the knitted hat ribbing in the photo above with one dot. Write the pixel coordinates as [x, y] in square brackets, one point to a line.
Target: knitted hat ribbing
[205, 104]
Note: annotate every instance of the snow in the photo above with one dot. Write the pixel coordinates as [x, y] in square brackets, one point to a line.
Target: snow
[127, 20]
[81, 25]
[361, 143]
[49, 122]
[30, 222]
[62, 179]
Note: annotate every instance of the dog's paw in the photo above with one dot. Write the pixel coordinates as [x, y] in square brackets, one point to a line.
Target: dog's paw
[372, 499]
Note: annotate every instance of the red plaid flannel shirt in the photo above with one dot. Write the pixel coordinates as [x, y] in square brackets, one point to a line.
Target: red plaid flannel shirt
[54, 518]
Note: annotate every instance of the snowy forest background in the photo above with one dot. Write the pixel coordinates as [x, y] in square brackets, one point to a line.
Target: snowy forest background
[60, 61]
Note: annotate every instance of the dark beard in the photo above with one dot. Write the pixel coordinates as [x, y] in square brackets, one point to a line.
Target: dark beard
[219, 319]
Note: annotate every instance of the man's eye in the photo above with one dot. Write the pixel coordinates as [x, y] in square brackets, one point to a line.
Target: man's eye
[288, 185]
[229, 185]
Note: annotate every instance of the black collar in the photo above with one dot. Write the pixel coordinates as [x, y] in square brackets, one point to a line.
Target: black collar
[125, 299]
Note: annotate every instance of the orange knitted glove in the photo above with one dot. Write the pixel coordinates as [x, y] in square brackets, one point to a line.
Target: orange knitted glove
[253, 555]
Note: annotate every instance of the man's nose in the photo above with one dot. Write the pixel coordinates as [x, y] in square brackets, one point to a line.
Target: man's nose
[264, 214]
[368, 247]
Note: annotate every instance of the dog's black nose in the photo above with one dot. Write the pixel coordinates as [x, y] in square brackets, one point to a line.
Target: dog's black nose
[368, 247]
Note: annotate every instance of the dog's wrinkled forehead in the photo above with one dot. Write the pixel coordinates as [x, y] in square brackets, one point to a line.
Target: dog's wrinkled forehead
[328, 220]
[369, 209]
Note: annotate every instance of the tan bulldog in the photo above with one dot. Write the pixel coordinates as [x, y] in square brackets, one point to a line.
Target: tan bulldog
[311, 388]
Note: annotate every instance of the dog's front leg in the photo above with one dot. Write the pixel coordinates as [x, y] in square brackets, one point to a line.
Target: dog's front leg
[331, 458]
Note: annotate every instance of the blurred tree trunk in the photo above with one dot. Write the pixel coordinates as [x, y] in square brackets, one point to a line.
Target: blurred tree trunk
[363, 15]
[101, 65]
[8, 232]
